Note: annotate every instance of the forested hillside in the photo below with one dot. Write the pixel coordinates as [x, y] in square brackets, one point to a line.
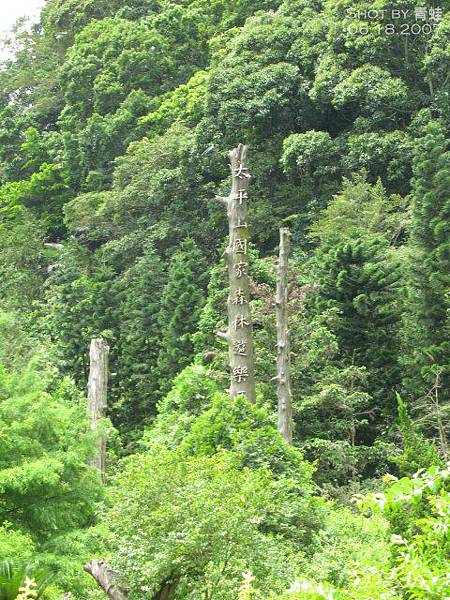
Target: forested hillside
[116, 119]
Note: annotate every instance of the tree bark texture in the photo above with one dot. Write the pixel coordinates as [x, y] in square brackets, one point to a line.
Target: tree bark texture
[239, 333]
[106, 579]
[284, 391]
[97, 396]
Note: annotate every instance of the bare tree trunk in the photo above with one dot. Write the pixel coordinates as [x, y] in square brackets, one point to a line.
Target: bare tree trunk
[97, 395]
[239, 333]
[106, 579]
[284, 391]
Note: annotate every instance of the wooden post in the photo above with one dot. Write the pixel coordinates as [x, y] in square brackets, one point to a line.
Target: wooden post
[97, 395]
[239, 333]
[283, 378]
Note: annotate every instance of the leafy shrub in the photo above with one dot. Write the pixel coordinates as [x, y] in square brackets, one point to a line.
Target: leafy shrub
[192, 392]
[418, 510]
[194, 524]
[46, 484]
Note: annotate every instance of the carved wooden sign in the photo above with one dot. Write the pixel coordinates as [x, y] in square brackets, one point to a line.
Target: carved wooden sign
[239, 333]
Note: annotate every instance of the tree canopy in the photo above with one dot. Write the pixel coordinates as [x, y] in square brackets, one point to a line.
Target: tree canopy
[116, 119]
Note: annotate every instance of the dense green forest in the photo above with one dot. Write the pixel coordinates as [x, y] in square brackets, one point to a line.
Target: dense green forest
[116, 118]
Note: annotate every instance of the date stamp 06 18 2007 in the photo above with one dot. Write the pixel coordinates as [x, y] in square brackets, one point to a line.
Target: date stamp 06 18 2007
[394, 21]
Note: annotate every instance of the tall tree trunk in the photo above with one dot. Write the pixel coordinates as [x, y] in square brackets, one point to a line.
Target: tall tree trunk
[239, 333]
[283, 378]
[97, 396]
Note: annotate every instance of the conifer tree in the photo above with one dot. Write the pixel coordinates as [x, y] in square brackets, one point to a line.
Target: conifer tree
[138, 294]
[359, 278]
[181, 303]
[428, 326]
[80, 307]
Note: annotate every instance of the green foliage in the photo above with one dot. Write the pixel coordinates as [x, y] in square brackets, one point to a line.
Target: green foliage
[418, 510]
[138, 292]
[429, 278]
[386, 156]
[23, 261]
[48, 490]
[17, 346]
[15, 546]
[21, 584]
[115, 120]
[204, 428]
[352, 562]
[359, 277]
[192, 393]
[44, 193]
[80, 309]
[418, 452]
[302, 589]
[200, 524]
[46, 485]
[332, 422]
[185, 104]
[68, 18]
[370, 89]
[353, 555]
[181, 303]
[108, 55]
[154, 188]
[85, 215]
[13, 125]
[213, 315]
[361, 207]
[309, 153]
[249, 431]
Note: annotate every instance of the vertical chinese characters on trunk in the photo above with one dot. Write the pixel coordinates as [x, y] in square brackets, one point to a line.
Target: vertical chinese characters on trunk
[239, 334]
